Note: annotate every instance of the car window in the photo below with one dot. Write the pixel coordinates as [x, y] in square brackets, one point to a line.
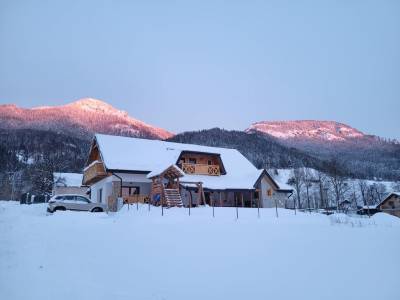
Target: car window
[82, 199]
[68, 199]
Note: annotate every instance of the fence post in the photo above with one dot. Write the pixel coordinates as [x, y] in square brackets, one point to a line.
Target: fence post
[190, 201]
[162, 206]
[237, 209]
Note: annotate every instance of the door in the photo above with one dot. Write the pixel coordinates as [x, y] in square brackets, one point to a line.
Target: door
[70, 202]
[82, 203]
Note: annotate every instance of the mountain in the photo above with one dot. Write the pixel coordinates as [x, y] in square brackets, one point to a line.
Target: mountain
[308, 130]
[262, 151]
[81, 118]
[366, 156]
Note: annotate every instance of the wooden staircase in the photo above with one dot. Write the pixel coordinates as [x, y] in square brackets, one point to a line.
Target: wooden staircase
[173, 198]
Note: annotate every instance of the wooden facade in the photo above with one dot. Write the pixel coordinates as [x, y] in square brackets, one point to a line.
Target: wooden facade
[201, 163]
[391, 205]
[94, 172]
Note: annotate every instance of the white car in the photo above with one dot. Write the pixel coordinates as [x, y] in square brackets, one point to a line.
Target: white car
[73, 202]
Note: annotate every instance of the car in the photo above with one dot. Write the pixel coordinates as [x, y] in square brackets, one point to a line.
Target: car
[73, 202]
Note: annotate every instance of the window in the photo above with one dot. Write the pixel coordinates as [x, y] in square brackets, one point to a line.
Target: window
[82, 199]
[391, 204]
[269, 192]
[192, 160]
[130, 190]
[100, 196]
[69, 198]
[210, 162]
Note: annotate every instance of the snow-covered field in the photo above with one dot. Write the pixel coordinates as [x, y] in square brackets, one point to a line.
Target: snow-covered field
[141, 255]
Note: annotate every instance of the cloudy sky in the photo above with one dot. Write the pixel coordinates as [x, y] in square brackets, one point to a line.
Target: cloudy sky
[186, 65]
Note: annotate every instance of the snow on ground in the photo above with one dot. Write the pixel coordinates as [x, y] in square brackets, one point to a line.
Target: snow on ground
[141, 255]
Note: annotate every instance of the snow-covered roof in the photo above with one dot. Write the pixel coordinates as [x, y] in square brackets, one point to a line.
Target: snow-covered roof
[281, 177]
[387, 197]
[155, 173]
[134, 154]
[67, 179]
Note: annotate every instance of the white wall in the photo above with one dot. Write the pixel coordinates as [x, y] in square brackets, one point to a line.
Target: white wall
[267, 201]
[106, 185]
[128, 180]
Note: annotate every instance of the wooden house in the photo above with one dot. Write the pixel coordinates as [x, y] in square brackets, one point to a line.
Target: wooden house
[174, 174]
[390, 205]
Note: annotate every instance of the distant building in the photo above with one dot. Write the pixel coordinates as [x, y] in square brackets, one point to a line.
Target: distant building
[390, 205]
[68, 183]
[345, 205]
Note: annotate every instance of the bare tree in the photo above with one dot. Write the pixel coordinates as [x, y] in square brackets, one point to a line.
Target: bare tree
[363, 186]
[297, 181]
[354, 197]
[337, 179]
[396, 186]
[379, 190]
[308, 184]
[321, 178]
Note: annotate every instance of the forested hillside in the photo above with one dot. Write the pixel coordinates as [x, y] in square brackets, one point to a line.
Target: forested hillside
[265, 151]
[29, 157]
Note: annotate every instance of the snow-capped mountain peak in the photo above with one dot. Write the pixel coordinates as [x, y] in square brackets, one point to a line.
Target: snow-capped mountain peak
[87, 115]
[307, 130]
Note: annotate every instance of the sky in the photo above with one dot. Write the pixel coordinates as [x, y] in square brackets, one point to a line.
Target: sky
[189, 65]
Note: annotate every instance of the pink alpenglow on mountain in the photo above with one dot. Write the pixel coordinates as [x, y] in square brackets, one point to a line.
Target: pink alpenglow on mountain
[85, 116]
[307, 130]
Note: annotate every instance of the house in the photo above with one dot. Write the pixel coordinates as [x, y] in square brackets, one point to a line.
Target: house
[390, 205]
[68, 183]
[174, 174]
[345, 205]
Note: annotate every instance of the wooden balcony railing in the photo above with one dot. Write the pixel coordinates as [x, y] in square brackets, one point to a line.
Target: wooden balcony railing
[212, 170]
[93, 172]
[136, 199]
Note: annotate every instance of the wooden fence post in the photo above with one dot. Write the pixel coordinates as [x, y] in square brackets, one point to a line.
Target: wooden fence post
[213, 207]
[190, 201]
[236, 204]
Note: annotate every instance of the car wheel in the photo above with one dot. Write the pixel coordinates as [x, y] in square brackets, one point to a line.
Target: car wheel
[60, 208]
[97, 209]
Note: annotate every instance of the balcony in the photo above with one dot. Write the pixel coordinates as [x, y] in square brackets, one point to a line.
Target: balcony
[201, 169]
[94, 172]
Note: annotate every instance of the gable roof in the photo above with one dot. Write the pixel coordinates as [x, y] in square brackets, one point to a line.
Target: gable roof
[388, 197]
[142, 155]
[174, 170]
